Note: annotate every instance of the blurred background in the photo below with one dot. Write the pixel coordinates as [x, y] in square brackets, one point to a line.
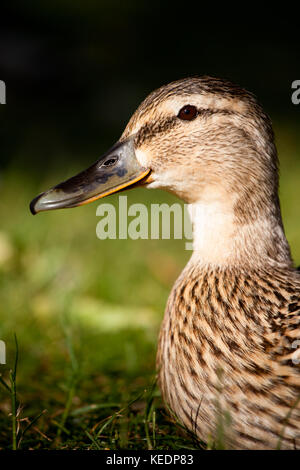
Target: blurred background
[87, 312]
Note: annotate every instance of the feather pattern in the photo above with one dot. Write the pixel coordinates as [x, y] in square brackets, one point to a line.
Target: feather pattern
[232, 334]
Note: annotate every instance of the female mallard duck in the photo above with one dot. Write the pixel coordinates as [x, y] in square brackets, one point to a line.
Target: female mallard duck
[228, 342]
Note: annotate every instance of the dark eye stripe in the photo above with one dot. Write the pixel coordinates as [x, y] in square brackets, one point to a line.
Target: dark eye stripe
[154, 128]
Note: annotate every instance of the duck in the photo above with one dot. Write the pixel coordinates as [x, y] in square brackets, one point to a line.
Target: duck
[229, 344]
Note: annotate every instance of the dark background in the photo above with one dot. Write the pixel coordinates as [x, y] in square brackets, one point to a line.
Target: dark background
[75, 71]
[86, 312]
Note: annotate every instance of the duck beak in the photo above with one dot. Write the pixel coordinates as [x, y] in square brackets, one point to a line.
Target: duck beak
[115, 170]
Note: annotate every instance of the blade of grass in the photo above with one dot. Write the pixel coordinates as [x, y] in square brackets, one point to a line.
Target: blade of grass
[93, 440]
[148, 413]
[30, 425]
[13, 377]
[5, 385]
[72, 383]
[90, 408]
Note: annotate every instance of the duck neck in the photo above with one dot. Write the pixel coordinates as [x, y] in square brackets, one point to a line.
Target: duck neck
[221, 240]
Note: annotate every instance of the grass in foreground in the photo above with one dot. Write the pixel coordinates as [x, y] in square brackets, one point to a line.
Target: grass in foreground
[122, 420]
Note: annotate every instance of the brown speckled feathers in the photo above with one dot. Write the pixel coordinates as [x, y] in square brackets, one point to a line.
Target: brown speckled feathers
[236, 331]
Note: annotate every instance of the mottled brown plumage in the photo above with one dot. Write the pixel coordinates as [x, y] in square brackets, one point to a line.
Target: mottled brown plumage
[229, 343]
[228, 339]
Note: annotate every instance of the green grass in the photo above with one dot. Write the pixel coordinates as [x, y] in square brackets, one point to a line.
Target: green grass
[86, 314]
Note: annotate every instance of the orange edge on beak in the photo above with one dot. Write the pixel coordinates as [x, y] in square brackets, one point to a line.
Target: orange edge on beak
[149, 179]
[114, 190]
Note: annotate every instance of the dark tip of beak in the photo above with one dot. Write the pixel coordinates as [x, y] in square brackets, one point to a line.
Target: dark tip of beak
[32, 205]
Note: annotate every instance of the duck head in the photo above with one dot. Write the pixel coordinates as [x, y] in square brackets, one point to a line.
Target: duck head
[209, 142]
[200, 138]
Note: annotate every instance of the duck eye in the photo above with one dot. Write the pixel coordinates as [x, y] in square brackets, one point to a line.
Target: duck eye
[188, 113]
